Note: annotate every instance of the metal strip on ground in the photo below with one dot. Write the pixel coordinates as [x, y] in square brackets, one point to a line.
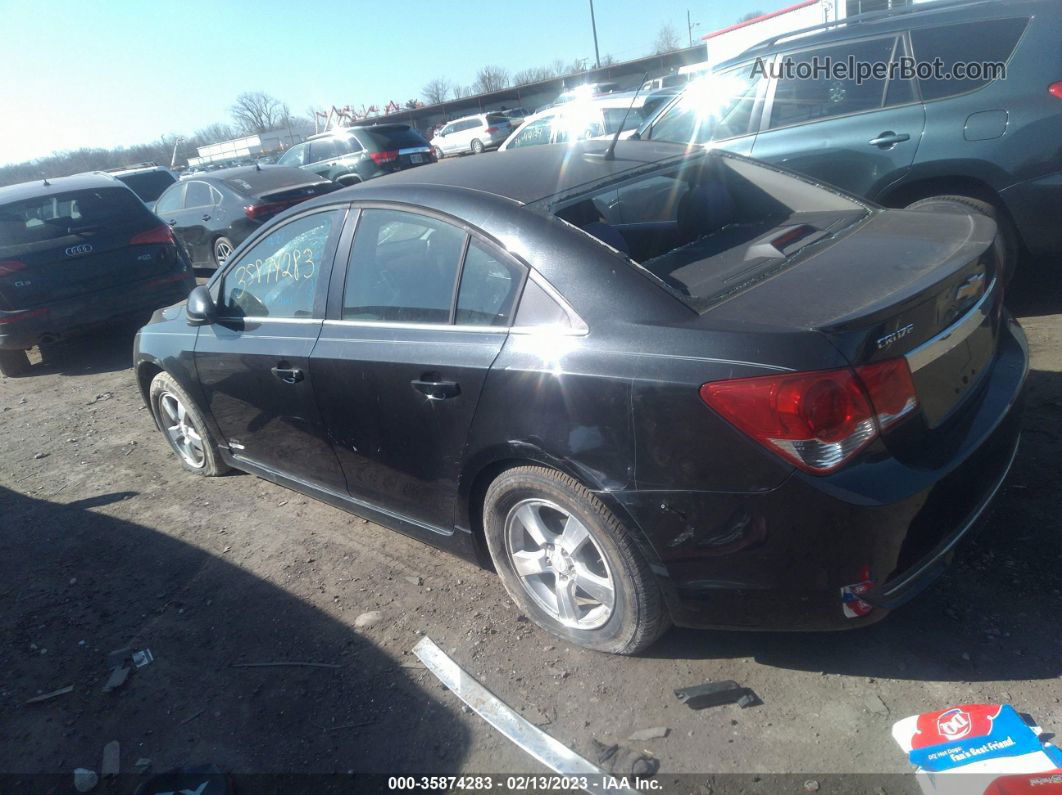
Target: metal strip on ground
[553, 754]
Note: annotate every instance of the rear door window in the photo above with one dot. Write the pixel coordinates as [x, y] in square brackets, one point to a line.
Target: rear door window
[714, 108]
[799, 99]
[990, 41]
[489, 285]
[197, 194]
[403, 268]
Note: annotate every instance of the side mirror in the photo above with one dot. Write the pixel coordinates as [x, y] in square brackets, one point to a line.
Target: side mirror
[200, 308]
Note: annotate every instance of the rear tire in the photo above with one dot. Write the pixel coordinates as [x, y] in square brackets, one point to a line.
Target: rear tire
[14, 364]
[1008, 248]
[439, 154]
[223, 249]
[477, 146]
[184, 428]
[581, 575]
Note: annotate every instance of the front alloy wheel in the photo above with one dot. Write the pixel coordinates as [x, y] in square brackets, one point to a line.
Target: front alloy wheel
[182, 434]
[222, 250]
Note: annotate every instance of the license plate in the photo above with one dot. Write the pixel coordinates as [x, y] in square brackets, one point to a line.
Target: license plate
[416, 159]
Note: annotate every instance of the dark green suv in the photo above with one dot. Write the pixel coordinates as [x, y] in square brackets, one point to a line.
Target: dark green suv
[989, 143]
[354, 154]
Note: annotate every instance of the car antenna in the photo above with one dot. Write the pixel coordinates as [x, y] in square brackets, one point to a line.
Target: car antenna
[610, 153]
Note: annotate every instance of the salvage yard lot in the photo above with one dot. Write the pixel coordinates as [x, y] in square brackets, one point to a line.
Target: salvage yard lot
[107, 543]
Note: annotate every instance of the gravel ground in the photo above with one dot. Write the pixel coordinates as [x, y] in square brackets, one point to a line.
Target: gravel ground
[107, 544]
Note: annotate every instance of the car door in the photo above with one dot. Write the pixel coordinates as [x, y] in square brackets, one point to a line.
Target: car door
[193, 220]
[415, 320]
[169, 204]
[454, 133]
[860, 136]
[253, 363]
[321, 157]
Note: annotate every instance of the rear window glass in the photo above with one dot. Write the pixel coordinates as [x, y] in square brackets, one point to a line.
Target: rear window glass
[615, 117]
[149, 185]
[711, 225]
[28, 224]
[389, 137]
[989, 41]
[253, 182]
[497, 118]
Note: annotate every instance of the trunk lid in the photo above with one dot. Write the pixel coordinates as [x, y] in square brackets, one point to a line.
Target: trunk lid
[74, 243]
[898, 283]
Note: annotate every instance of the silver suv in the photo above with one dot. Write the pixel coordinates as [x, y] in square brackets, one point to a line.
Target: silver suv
[472, 134]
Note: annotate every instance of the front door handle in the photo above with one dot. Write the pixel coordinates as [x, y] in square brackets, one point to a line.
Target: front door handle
[438, 390]
[173, 222]
[888, 139]
[206, 217]
[289, 375]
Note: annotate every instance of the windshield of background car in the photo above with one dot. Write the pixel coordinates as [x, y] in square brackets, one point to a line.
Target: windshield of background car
[37, 223]
[711, 224]
[712, 108]
[388, 137]
[148, 185]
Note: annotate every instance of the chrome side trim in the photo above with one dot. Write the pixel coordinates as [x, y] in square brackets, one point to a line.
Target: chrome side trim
[515, 727]
[418, 326]
[942, 550]
[305, 321]
[954, 335]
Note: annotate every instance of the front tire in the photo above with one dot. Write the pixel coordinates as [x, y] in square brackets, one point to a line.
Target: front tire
[184, 428]
[477, 146]
[1008, 248]
[569, 564]
[439, 154]
[223, 248]
[14, 364]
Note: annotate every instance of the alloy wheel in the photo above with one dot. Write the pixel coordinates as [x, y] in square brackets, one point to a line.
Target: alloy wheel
[182, 434]
[559, 564]
[222, 250]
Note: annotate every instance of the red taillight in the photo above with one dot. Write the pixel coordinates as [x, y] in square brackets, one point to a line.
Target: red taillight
[14, 317]
[157, 234]
[10, 266]
[1055, 90]
[379, 158]
[491, 130]
[816, 420]
[259, 212]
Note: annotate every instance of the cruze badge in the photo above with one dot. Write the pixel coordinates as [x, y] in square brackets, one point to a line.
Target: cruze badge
[891, 337]
[74, 251]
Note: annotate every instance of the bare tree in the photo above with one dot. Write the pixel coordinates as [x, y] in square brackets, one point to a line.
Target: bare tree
[750, 15]
[607, 60]
[258, 112]
[667, 39]
[212, 133]
[559, 67]
[491, 78]
[412, 104]
[535, 74]
[461, 91]
[436, 91]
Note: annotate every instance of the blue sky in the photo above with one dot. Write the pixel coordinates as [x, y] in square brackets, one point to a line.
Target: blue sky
[128, 71]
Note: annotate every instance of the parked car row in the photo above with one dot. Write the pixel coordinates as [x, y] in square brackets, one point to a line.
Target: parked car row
[747, 398]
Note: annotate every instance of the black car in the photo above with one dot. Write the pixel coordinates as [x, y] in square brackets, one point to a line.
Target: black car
[77, 253]
[213, 213]
[354, 154]
[669, 386]
[146, 180]
[979, 133]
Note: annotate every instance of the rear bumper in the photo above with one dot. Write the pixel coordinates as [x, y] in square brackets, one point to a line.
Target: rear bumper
[779, 559]
[1036, 207]
[72, 316]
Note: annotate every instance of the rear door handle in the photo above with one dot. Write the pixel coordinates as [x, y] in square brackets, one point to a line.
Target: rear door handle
[206, 217]
[289, 375]
[438, 390]
[173, 222]
[888, 139]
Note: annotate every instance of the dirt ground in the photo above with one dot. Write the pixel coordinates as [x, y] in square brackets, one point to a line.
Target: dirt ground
[106, 543]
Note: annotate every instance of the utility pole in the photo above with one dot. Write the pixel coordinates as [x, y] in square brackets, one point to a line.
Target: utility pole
[690, 25]
[173, 160]
[593, 24]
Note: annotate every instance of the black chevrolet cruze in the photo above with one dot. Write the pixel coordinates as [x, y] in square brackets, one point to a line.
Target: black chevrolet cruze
[668, 386]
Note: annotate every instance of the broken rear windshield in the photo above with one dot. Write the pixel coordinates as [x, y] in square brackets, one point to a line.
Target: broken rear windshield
[712, 225]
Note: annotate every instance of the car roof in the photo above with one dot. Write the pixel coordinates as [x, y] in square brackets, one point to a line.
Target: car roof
[354, 127]
[42, 187]
[890, 21]
[524, 175]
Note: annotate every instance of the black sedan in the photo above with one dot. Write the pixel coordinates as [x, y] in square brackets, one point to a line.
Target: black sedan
[214, 212]
[667, 386]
